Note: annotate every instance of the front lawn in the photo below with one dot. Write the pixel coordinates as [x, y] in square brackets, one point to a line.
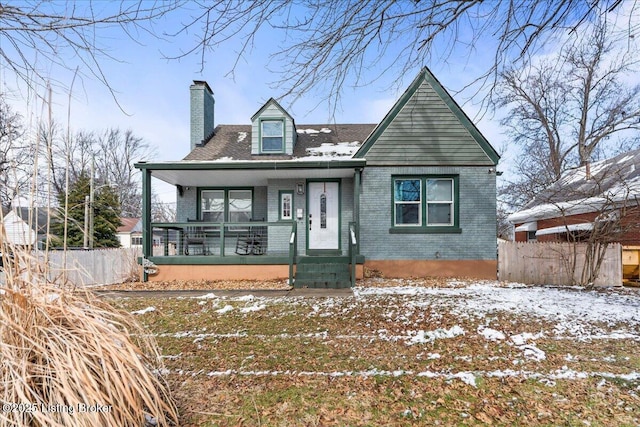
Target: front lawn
[403, 353]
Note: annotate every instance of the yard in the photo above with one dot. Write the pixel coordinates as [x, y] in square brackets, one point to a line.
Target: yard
[403, 352]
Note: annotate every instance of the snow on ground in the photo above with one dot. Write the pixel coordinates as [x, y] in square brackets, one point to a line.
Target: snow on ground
[569, 314]
[144, 310]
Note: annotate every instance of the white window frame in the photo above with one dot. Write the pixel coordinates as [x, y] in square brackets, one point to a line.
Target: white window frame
[263, 135]
[283, 211]
[441, 202]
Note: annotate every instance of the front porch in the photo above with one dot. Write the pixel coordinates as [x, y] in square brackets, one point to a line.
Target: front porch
[236, 251]
[256, 222]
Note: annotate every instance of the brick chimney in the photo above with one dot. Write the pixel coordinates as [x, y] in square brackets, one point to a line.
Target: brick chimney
[202, 107]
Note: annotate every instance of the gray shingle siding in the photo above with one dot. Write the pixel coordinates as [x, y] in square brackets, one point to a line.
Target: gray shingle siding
[477, 217]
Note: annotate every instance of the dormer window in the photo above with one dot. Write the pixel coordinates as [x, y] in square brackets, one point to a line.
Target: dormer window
[272, 136]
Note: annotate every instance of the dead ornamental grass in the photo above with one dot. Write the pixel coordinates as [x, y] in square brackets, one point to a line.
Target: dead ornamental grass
[69, 359]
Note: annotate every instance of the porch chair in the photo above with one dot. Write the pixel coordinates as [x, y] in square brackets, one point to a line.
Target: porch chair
[194, 236]
[253, 241]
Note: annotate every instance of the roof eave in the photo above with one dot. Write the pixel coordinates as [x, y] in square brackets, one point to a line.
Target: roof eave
[253, 164]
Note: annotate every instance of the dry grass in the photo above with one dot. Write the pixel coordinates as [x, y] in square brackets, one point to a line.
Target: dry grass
[301, 361]
[69, 359]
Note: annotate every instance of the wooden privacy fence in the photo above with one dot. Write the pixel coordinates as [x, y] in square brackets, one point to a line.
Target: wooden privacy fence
[94, 267]
[551, 263]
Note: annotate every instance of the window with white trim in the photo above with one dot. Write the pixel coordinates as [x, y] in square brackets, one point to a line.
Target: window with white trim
[440, 201]
[272, 136]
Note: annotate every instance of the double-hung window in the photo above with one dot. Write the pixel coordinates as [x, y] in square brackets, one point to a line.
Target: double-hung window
[425, 204]
[228, 205]
[272, 136]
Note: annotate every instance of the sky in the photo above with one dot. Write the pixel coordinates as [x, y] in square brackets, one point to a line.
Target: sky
[153, 92]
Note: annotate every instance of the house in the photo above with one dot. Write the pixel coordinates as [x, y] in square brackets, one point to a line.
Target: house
[414, 195]
[130, 232]
[26, 227]
[583, 199]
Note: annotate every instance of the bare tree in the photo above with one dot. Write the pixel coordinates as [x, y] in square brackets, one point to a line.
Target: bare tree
[110, 154]
[39, 35]
[611, 215]
[115, 153]
[570, 109]
[16, 156]
[327, 44]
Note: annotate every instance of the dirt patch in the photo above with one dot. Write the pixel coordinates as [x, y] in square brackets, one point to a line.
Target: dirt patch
[181, 285]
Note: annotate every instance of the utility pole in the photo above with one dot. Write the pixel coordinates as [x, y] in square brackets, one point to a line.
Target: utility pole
[86, 223]
[91, 209]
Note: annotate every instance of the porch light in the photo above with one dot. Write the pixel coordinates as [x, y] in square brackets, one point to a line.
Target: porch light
[300, 188]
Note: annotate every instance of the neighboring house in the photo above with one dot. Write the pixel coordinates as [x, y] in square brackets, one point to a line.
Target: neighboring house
[130, 232]
[414, 195]
[26, 227]
[583, 198]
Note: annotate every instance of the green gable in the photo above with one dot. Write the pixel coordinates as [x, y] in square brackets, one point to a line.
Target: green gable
[427, 127]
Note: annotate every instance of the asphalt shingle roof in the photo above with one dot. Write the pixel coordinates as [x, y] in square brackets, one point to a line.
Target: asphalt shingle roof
[233, 142]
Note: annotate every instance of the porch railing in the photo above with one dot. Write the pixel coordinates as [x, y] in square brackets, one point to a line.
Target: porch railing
[222, 239]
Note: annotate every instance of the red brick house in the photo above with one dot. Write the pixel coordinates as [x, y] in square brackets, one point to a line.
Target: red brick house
[586, 198]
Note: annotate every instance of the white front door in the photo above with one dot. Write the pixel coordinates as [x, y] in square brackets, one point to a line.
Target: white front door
[323, 220]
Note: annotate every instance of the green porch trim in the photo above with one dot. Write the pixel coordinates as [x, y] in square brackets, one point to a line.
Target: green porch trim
[323, 252]
[357, 183]
[147, 228]
[320, 251]
[253, 165]
[245, 260]
[218, 260]
[426, 75]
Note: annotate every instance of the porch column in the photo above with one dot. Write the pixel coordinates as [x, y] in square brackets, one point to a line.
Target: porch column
[147, 230]
[356, 205]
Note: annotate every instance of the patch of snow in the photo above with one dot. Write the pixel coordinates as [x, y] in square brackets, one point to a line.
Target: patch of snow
[422, 337]
[308, 131]
[491, 334]
[227, 308]
[144, 311]
[210, 295]
[530, 351]
[325, 130]
[246, 298]
[223, 159]
[253, 308]
[329, 150]
[521, 339]
[466, 377]
[242, 136]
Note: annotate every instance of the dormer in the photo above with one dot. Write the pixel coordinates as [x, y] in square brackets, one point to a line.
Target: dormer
[273, 130]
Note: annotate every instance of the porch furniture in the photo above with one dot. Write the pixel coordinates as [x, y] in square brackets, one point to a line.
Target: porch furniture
[194, 236]
[253, 241]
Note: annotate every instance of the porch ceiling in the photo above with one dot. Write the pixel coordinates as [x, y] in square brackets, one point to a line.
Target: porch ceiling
[247, 173]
